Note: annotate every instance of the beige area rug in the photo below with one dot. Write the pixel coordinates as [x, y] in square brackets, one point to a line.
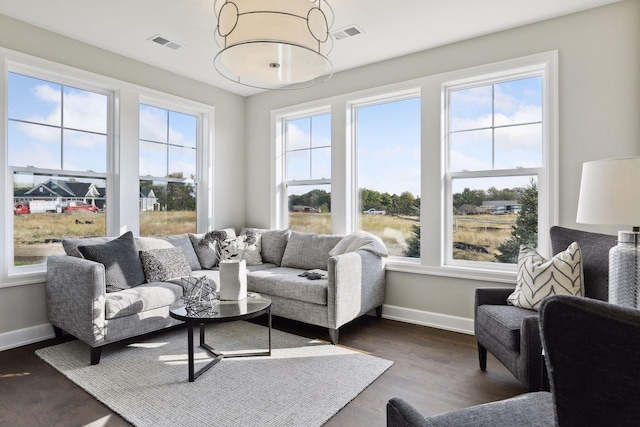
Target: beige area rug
[303, 383]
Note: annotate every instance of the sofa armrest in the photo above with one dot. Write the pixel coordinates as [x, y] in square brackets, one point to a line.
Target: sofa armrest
[356, 285]
[76, 296]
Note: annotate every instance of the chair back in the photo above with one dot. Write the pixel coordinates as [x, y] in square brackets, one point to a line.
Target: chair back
[595, 257]
[592, 351]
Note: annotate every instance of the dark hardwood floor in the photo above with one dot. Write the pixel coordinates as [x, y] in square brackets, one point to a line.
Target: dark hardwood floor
[434, 370]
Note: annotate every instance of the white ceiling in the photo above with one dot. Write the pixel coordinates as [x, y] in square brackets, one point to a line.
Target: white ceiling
[391, 28]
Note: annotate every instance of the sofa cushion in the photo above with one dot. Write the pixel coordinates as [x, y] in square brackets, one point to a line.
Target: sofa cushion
[147, 296]
[71, 245]
[308, 251]
[162, 264]
[286, 283]
[539, 278]
[183, 242]
[273, 244]
[503, 322]
[122, 266]
[205, 250]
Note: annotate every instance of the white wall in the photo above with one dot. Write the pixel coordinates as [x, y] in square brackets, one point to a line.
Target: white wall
[23, 308]
[599, 96]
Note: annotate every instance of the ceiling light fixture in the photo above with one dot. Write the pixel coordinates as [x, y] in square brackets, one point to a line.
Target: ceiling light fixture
[274, 44]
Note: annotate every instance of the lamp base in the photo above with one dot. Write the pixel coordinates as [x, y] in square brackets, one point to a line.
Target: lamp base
[624, 277]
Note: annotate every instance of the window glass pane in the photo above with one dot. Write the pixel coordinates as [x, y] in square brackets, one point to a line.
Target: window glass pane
[84, 110]
[493, 217]
[153, 159]
[321, 163]
[34, 100]
[34, 145]
[298, 165]
[153, 123]
[518, 147]
[84, 151]
[167, 208]
[50, 207]
[471, 150]
[321, 131]
[310, 208]
[388, 155]
[182, 162]
[518, 101]
[470, 108]
[298, 134]
[183, 129]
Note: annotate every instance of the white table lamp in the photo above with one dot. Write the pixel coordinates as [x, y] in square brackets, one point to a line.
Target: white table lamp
[610, 194]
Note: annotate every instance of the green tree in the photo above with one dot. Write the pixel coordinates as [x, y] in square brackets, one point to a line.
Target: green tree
[525, 230]
[413, 247]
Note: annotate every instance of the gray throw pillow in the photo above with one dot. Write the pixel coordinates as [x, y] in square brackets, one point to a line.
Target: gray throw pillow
[309, 251]
[183, 242]
[71, 245]
[148, 243]
[122, 266]
[274, 243]
[205, 251]
[162, 264]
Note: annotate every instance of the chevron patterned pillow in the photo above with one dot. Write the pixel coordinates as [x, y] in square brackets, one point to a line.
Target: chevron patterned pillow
[538, 278]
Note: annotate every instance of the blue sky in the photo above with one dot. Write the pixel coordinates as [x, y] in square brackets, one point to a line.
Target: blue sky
[37, 109]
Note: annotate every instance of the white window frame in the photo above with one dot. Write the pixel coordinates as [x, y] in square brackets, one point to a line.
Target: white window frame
[122, 165]
[543, 65]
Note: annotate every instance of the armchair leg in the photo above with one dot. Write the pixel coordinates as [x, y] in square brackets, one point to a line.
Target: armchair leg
[482, 357]
[96, 352]
[379, 312]
[333, 336]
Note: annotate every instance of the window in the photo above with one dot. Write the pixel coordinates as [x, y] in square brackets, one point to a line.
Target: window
[57, 153]
[387, 136]
[495, 145]
[307, 155]
[168, 148]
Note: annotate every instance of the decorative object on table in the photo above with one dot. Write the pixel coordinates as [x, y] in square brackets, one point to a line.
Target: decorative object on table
[233, 279]
[199, 295]
[246, 246]
[610, 194]
[274, 45]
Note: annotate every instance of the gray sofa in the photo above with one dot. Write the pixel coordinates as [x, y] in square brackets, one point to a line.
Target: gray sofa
[82, 302]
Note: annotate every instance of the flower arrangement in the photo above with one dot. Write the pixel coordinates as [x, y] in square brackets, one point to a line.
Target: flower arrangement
[229, 249]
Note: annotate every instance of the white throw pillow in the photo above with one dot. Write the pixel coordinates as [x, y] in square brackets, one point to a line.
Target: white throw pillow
[538, 278]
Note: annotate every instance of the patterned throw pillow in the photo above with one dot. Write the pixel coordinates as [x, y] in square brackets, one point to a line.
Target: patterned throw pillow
[162, 264]
[538, 278]
[239, 248]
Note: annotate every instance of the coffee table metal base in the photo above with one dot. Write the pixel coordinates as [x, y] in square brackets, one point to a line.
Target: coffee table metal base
[219, 355]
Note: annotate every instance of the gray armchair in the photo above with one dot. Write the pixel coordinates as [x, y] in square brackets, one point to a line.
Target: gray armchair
[512, 334]
[592, 351]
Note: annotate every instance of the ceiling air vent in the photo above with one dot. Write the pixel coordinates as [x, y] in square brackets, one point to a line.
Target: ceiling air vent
[346, 32]
[165, 42]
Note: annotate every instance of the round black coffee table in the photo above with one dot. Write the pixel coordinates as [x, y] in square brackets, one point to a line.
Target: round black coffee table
[224, 311]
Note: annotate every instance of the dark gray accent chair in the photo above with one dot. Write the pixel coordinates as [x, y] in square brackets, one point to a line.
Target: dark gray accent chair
[511, 333]
[592, 351]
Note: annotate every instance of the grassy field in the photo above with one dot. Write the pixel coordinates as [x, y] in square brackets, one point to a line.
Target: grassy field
[37, 235]
[480, 230]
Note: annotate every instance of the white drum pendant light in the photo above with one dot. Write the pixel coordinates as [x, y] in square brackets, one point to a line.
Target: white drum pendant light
[274, 44]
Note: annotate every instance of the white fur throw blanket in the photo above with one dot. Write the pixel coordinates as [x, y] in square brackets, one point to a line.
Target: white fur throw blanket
[360, 240]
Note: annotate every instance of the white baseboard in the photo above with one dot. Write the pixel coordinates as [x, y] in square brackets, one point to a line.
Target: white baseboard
[20, 337]
[427, 318]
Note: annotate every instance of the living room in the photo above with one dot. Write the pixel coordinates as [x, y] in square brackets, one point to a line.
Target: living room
[598, 63]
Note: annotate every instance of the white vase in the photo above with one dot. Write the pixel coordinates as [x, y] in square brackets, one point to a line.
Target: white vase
[233, 280]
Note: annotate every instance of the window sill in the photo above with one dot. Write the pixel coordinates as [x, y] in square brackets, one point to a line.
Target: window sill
[21, 279]
[485, 275]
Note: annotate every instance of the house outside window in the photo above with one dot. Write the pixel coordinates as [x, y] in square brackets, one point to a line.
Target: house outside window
[168, 164]
[307, 156]
[57, 155]
[387, 142]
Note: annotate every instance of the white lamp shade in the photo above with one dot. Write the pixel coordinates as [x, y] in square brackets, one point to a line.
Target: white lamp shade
[274, 44]
[610, 192]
